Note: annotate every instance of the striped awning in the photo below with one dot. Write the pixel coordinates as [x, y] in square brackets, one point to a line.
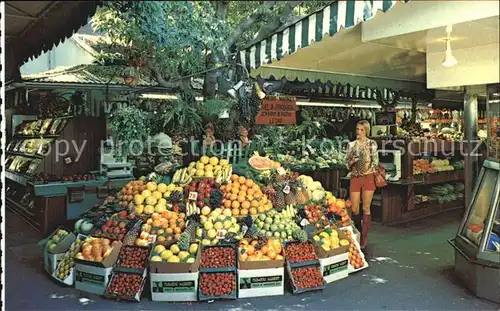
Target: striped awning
[313, 28]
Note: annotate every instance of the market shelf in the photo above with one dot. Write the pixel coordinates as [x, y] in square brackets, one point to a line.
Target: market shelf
[26, 154]
[19, 178]
[427, 209]
[35, 136]
[442, 177]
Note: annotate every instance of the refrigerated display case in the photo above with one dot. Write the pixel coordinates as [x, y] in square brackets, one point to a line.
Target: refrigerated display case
[477, 243]
[493, 112]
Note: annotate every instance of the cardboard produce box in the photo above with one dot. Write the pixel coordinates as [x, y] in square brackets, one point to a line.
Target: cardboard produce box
[52, 256]
[261, 278]
[93, 277]
[174, 281]
[322, 253]
[334, 268]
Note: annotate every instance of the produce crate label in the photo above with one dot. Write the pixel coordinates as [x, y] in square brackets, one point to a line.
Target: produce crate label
[193, 196]
[286, 189]
[174, 287]
[86, 277]
[335, 267]
[259, 282]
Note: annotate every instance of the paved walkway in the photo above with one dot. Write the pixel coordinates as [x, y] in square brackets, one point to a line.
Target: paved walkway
[411, 268]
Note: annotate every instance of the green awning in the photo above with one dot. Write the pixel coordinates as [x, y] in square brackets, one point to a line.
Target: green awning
[313, 28]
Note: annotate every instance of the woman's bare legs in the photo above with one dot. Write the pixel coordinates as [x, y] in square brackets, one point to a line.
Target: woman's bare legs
[356, 217]
[367, 218]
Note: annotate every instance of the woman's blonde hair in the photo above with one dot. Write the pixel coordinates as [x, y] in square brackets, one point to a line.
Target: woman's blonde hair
[366, 125]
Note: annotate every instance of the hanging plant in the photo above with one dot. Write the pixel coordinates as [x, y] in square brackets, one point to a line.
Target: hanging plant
[183, 119]
[129, 127]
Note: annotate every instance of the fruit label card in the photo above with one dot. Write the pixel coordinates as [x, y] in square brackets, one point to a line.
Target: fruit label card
[286, 189]
[151, 238]
[193, 196]
[86, 277]
[261, 282]
[174, 286]
[221, 233]
[334, 268]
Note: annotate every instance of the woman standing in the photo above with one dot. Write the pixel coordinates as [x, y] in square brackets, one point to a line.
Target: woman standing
[362, 161]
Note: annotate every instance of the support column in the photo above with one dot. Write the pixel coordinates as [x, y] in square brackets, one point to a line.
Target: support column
[470, 131]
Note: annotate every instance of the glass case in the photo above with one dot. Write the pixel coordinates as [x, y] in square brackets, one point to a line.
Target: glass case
[493, 120]
[479, 233]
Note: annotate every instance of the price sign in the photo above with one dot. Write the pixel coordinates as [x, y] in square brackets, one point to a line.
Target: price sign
[151, 238]
[221, 233]
[193, 196]
[304, 222]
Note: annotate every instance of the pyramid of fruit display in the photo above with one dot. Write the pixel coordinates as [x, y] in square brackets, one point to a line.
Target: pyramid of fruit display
[207, 205]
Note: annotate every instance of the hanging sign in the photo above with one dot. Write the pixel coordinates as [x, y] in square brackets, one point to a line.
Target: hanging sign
[277, 110]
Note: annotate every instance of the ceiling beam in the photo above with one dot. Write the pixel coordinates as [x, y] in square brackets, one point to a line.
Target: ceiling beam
[39, 17]
[21, 16]
[15, 7]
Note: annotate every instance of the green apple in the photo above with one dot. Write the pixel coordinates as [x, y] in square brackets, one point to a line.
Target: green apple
[281, 226]
[262, 217]
[269, 234]
[274, 228]
[269, 220]
[283, 235]
[267, 227]
[277, 234]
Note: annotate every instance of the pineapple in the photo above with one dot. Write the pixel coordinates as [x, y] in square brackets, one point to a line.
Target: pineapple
[300, 235]
[301, 193]
[130, 237]
[191, 229]
[291, 197]
[184, 241]
[279, 201]
[252, 232]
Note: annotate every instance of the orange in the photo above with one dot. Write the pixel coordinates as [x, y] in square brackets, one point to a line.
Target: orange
[242, 193]
[234, 177]
[244, 242]
[277, 248]
[169, 215]
[256, 187]
[254, 203]
[227, 204]
[243, 187]
[235, 204]
[257, 194]
[156, 223]
[244, 212]
[253, 211]
[249, 183]
[241, 180]
[278, 257]
[251, 258]
[235, 212]
[261, 209]
[182, 215]
[235, 190]
[233, 197]
[236, 185]
[245, 204]
[264, 249]
[250, 249]
[244, 256]
[259, 254]
[241, 198]
[177, 230]
[250, 191]
[169, 230]
[271, 254]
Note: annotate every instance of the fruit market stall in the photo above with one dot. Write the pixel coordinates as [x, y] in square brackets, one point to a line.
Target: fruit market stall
[201, 238]
[477, 243]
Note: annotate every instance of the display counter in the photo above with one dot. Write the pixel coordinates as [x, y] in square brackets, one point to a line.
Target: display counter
[419, 192]
[477, 243]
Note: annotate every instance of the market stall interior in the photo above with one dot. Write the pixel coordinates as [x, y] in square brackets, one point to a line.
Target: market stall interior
[268, 209]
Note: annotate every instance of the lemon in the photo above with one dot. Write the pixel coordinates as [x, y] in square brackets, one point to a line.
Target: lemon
[175, 249]
[325, 247]
[162, 188]
[160, 208]
[227, 212]
[156, 258]
[224, 162]
[166, 195]
[151, 186]
[166, 254]
[236, 227]
[151, 200]
[214, 161]
[334, 233]
[159, 249]
[344, 242]
[173, 259]
[324, 235]
[190, 260]
[146, 193]
[192, 164]
[211, 233]
[234, 220]
[138, 199]
[171, 187]
[214, 242]
[157, 194]
[219, 225]
[199, 173]
[209, 174]
[204, 242]
[200, 166]
[208, 225]
[192, 171]
[183, 255]
[193, 248]
[204, 160]
[316, 238]
[205, 210]
[227, 224]
[199, 233]
[209, 167]
[139, 209]
[162, 201]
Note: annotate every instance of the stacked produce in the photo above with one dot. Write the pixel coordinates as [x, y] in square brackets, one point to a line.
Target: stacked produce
[442, 165]
[329, 239]
[64, 267]
[174, 254]
[307, 277]
[95, 249]
[280, 225]
[260, 249]
[422, 166]
[116, 227]
[243, 196]
[356, 258]
[299, 252]
[445, 193]
[57, 238]
[218, 257]
[125, 285]
[220, 220]
[217, 284]
[165, 226]
[133, 257]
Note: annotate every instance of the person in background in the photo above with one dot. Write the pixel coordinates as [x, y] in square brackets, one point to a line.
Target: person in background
[362, 160]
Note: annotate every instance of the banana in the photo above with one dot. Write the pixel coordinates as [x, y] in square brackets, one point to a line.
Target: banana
[175, 179]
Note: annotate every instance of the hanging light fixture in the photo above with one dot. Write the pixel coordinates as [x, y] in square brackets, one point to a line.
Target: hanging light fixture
[449, 59]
